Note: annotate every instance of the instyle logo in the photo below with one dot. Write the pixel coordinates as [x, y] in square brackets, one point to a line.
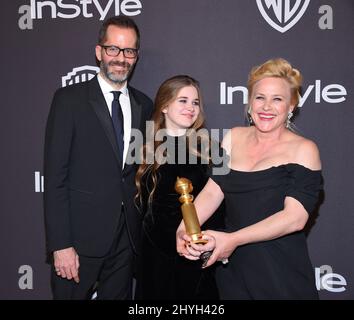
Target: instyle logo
[317, 93]
[282, 14]
[71, 9]
[79, 74]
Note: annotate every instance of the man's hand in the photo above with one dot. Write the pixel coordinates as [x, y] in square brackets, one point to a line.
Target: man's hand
[66, 264]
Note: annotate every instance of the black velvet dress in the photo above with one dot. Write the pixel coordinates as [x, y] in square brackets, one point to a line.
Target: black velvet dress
[275, 269]
[162, 273]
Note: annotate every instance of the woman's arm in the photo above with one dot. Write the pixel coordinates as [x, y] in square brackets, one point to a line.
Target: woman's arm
[291, 219]
[206, 203]
[208, 200]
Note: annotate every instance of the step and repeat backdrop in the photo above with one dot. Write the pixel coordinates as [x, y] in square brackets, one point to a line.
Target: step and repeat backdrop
[50, 44]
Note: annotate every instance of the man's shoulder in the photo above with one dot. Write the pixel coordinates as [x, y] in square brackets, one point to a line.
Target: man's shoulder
[139, 95]
[76, 88]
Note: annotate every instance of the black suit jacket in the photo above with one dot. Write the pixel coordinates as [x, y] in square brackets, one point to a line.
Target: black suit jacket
[84, 183]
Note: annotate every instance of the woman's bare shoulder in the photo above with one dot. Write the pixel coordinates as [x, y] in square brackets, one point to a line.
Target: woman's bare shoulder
[233, 135]
[307, 153]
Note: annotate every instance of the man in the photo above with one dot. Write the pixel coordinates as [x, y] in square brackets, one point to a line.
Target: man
[92, 224]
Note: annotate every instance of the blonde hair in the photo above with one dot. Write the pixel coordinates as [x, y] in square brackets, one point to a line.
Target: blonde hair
[278, 68]
[166, 94]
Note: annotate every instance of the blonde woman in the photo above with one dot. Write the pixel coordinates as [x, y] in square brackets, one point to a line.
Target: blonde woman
[271, 190]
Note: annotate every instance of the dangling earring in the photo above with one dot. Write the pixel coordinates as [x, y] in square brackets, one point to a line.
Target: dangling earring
[288, 122]
[250, 120]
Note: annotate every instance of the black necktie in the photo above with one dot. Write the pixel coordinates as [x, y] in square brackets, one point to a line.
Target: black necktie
[118, 122]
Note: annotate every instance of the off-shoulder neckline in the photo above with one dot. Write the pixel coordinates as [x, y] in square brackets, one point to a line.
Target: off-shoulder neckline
[275, 167]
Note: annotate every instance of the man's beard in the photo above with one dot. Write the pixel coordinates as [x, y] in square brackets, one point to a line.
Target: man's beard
[117, 78]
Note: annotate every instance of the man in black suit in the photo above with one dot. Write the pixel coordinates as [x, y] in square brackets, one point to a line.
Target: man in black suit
[92, 225]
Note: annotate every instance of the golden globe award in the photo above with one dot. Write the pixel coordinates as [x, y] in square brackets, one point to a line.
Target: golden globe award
[183, 186]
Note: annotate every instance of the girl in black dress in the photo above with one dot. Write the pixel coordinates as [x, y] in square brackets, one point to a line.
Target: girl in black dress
[271, 189]
[162, 273]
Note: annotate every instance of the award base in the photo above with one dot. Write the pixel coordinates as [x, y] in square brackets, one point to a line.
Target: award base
[198, 238]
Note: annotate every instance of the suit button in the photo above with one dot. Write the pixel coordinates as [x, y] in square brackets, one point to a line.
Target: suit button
[123, 179]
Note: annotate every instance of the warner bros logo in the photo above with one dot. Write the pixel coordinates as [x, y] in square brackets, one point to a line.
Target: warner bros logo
[282, 14]
[79, 74]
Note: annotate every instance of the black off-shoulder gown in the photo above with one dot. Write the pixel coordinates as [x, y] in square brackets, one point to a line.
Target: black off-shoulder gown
[274, 269]
[162, 273]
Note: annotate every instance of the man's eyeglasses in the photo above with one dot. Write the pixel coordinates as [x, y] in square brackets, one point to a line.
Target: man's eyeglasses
[114, 51]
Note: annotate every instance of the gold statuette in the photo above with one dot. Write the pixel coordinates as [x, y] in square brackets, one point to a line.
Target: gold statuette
[183, 186]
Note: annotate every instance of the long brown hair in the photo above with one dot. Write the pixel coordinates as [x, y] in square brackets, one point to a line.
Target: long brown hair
[166, 94]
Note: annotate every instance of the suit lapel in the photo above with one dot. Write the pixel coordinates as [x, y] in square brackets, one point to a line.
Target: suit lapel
[136, 110]
[98, 103]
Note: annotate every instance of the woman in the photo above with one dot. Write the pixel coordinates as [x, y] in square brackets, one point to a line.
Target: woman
[162, 273]
[271, 190]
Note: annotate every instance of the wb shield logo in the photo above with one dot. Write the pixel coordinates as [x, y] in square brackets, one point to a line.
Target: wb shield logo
[282, 14]
[79, 74]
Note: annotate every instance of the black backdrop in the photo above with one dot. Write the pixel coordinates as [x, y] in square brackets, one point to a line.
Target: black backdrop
[215, 41]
